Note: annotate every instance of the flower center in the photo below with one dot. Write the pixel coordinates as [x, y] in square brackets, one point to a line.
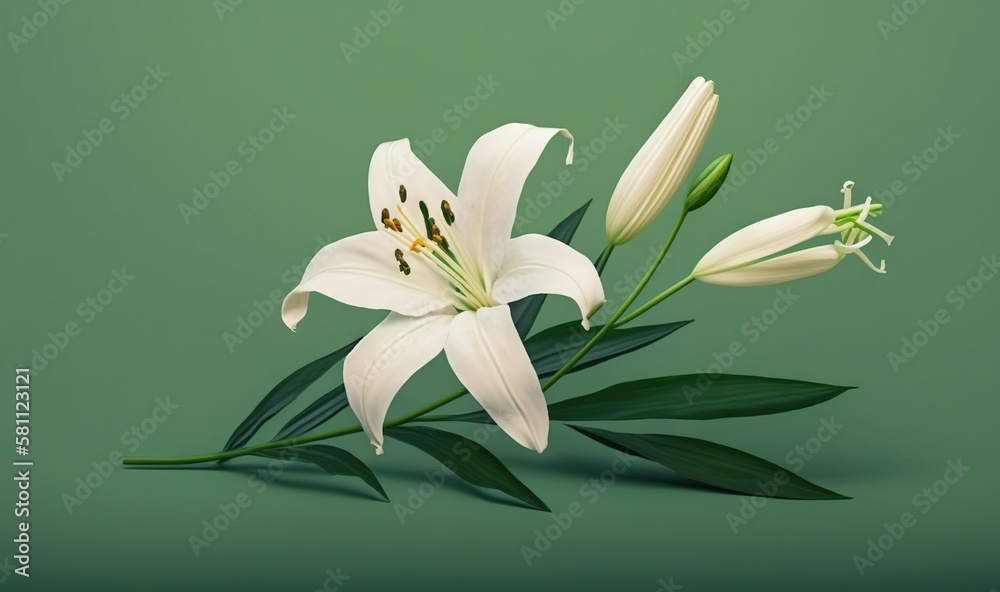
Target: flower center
[437, 246]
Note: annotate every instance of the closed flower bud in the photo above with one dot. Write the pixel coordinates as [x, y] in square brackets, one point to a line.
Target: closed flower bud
[663, 162]
[708, 182]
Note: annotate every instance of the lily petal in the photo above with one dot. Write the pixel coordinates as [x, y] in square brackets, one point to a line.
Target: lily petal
[785, 268]
[361, 271]
[492, 180]
[385, 359]
[487, 355]
[394, 164]
[765, 238]
[536, 264]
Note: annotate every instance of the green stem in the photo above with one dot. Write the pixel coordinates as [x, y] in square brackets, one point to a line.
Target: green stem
[201, 458]
[663, 296]
[612, 323]
[602, 261]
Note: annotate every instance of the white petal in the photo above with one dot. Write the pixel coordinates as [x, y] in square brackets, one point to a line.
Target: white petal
[492, 180]
[663, 162]
[536, 264]
[765, 238]
[361, 270]
[385, 359]
[785, 268]
[394, 164]
[486, 354]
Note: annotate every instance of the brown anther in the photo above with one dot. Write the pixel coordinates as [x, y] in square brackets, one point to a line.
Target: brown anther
[402, 194]
[385, 219]
[403, 265]
[449, 216]
[397, 224]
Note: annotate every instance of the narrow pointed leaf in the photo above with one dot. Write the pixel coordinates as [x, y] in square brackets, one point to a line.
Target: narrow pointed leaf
[694, 396]
[713, 464]
[553, 347]
[331, 459]
[284, 393]
[467, 459]
[525, 311]
[321, 410]
[550, 349]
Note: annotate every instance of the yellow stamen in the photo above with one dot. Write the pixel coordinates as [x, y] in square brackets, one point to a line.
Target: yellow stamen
[418, 242]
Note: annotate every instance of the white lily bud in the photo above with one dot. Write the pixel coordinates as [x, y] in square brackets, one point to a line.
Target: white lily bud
[663, 162]
[747, 257]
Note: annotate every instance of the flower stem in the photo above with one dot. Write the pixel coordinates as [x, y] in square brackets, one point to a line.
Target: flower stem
[613, 322]
[602, 261]
[660, 298]
[201, 458]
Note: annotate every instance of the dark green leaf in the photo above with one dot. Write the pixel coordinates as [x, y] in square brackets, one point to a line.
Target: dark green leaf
[467, 459]
[553, 347]
[321, 410]
[694, 396]
[331, 459]
[550, 349]
[284, 393]
[525, 311]
[713, 464]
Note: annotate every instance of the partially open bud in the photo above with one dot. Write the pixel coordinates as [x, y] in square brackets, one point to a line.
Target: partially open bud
[752, 256]
[708, 182]
[663, 162]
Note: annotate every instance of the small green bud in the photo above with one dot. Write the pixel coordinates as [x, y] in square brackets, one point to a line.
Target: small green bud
[708, 182]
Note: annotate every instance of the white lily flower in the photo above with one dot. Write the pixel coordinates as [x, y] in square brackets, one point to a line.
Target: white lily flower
[663, 162]
[746, 257]
[446, 267]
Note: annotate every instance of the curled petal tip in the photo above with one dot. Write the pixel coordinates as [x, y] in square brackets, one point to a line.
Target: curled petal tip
[378, 448]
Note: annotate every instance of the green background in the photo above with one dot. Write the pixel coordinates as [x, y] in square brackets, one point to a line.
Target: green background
[163, 335]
